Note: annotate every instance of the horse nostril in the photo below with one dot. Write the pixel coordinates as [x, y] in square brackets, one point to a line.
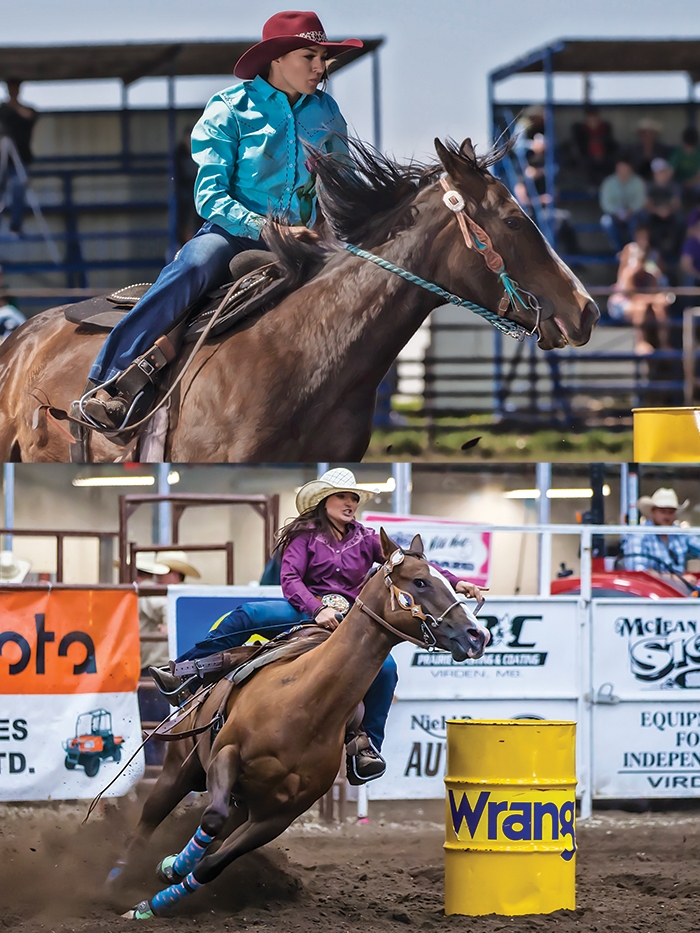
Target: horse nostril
[589, 316]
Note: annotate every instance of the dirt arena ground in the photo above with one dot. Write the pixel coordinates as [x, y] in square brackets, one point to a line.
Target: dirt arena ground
[635, 873]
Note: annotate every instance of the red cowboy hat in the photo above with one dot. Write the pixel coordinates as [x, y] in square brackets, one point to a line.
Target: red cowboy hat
[283, 33]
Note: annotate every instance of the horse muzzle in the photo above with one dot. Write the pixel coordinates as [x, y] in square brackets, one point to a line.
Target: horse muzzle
[469, 643]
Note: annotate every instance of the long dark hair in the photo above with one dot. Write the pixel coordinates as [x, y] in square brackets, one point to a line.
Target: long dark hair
[315, 519]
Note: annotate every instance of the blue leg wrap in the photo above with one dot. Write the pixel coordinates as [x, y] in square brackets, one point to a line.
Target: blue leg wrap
[192, 853]
[175, 893]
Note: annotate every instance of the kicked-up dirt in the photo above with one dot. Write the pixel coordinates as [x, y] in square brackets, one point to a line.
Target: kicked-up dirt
[636, 874]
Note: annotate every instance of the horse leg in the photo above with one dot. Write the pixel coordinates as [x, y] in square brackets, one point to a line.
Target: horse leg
[251, 835]
[222, 773]
[178, 777]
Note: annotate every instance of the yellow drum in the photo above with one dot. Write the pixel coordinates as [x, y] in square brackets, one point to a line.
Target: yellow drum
[666, 435]
[510, 825]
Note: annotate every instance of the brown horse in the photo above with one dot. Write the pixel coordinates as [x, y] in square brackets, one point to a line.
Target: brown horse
[299, 382]
[281, 745]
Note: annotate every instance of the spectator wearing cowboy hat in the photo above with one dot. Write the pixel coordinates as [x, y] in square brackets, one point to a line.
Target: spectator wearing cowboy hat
[326, 556]
[663, 553]
[251, 145]
[178, 568]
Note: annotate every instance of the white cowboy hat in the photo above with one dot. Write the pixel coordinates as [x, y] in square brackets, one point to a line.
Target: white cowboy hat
[332, 481]
[178, 561]
[12, 569]
[146, 562]
[662, 499]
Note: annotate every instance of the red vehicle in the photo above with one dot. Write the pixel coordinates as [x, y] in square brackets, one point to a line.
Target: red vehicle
[645, 583]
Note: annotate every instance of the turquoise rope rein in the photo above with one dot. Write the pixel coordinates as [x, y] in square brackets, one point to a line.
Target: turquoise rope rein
[507, 327]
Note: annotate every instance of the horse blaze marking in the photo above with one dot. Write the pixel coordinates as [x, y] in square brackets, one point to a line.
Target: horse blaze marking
[522, 821]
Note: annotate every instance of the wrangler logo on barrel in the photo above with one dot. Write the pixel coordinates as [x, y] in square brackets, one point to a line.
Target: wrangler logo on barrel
[487, 820]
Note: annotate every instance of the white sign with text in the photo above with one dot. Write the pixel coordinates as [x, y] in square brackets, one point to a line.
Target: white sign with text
[534, 652]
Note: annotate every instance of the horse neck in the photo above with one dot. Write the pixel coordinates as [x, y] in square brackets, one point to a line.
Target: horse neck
[367, 330]
[351, 659]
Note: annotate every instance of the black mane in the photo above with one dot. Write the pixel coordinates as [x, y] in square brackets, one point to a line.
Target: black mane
[361, 195]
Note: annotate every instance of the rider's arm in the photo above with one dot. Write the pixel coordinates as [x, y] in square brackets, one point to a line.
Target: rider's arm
[215, 140]
[294, 564]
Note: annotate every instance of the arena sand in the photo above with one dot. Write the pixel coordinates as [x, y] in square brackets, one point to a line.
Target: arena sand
[635, 873]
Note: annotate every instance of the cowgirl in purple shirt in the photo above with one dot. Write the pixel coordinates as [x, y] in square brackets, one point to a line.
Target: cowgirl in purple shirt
[325, 553]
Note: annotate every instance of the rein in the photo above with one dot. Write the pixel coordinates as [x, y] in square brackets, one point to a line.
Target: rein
[475, 237]
[406, 601]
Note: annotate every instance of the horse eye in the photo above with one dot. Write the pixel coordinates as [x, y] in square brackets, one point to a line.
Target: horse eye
[513, 223]
[420, 584]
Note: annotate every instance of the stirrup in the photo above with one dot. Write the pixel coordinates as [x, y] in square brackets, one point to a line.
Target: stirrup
[175, 689]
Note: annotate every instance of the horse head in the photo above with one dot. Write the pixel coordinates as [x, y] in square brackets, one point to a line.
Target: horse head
[566, 313]
[421, 606]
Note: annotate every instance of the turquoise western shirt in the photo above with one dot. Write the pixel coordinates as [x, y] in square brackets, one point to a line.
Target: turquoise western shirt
[248, 145]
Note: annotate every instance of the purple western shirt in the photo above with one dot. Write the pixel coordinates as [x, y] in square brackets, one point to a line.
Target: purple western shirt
[313, 566]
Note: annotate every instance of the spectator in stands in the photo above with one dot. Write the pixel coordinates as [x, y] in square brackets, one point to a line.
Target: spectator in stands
[690, 252]
[662, 553]
[662, 207]
[179, 567]
[647, 311]
[648, 147]
[594, 145]
[622, 197]
[10, 316]
[685, 162]
[16, 125]
[564, 231]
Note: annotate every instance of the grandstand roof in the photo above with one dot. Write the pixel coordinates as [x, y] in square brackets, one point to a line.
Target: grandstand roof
[609, 56]
[130, 61]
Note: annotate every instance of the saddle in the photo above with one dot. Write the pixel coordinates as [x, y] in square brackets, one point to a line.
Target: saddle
[237, 666]
[261, 283]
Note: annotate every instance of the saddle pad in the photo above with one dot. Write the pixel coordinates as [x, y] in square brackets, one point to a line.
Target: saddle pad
[103, 312]
[307, 638]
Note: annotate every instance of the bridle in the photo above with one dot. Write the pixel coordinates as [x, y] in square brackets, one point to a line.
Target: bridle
[475, 237]
[405, 600]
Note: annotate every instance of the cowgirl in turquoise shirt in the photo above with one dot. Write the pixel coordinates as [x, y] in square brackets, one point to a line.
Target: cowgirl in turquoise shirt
[249, 146]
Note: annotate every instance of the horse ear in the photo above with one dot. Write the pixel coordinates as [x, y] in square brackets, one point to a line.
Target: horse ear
[388, 546]
[417, 545]
[467, 150]
[462, 167]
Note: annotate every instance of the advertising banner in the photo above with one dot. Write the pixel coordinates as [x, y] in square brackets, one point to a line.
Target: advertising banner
[534, 652]
[646, 684]
[192, 610]
[455, 546]
[69, 669]
[414, 747]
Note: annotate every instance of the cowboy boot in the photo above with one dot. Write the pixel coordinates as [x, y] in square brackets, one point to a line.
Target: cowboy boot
[363, 762]
[169, 684]
[109, 411]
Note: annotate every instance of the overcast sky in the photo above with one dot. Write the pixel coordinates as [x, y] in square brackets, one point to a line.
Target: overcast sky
[434, 63]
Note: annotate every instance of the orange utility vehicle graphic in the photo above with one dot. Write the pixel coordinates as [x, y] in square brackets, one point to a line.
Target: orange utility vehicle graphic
[93, 741]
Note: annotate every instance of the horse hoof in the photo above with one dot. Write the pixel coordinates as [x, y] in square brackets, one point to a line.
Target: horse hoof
[142, 911]
[165, 871]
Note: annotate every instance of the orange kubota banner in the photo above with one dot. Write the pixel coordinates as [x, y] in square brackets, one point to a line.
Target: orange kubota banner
[68, 641]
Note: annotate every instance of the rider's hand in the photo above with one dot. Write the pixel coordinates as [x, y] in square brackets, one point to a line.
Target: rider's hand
[326, 618]
[471, 590]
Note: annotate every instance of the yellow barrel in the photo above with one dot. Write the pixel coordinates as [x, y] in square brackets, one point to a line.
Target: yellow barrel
[510, 824]
[666, 435]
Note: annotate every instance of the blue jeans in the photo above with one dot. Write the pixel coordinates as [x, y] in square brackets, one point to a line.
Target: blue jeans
[270, 617]
[201, 264]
